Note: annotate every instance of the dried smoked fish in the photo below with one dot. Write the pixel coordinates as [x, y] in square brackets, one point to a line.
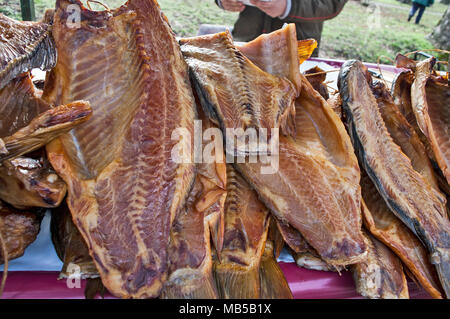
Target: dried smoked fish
[125, 190]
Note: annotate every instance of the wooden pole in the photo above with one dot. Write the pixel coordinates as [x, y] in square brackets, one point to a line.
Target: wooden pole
[27, 8]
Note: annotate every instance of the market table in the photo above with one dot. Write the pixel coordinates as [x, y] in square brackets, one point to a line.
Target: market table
[34, 275]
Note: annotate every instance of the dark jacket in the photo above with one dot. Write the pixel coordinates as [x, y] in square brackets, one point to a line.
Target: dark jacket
[425, 3]
[308, 15]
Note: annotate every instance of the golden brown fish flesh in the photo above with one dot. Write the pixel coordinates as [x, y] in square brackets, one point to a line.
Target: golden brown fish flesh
[404, 135]
[218, 68]
[316, 187]
[124, 187]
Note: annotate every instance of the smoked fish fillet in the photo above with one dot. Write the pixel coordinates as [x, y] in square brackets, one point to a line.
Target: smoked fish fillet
[18, 230]
[391, 231]
[218, 68]
[409, 196]
[404, 135]
[316, 188]
[197, 232]
[27, 182]
[246, 227]
[190, 257]
[381, 274]
[124, 187]
[28, 122]
[23, 46]
[430, 96]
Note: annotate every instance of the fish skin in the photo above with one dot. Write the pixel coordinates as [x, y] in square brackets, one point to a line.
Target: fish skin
[430, 97]
[391, 231]
[124, 189]
[381, 274]
[405, 191]
[404, 135]
[24, 46]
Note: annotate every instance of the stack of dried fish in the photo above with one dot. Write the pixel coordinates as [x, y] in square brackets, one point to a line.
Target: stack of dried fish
[27, 123]
[150, 219]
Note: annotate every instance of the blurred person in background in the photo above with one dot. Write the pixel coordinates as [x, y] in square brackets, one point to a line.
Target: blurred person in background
[419, 5]
[267, 16]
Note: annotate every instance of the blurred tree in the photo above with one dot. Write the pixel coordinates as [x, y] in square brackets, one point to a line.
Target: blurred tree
[440, 36]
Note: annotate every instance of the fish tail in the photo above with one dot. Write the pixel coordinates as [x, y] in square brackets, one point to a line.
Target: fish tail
[237, 282]
[273, 283]
[189, 284]
[305, 48]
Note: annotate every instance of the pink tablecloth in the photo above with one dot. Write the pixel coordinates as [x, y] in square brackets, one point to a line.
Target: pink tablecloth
[305, 284]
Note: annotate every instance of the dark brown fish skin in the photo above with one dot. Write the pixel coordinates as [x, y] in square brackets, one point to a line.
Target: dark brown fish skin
[24, 46]
[70, 245]
[381, 274]
[18, 230]
[409, 196]
[124, 189]
[391, 231]
[27, 182]
[246, 229]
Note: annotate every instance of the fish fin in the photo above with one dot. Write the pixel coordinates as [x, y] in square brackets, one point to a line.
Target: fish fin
[305, 48]
[201, 285]
[45, 128]
[237, 282]
[94, 286]
[273, 283]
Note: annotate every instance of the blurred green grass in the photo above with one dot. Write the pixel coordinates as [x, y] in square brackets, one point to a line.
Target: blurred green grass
[359, 32]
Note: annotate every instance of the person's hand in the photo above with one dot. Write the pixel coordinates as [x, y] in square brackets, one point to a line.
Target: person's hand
[232, 5]
[274, 8]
